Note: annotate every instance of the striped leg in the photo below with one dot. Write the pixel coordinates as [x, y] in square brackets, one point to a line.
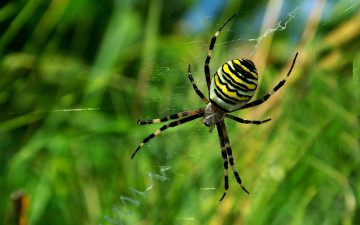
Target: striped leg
[172, 117]
[172, 124]
[277, 87]
[207, 61]
[229, 152]
[224, 155]
[237, 119]
[201, 95]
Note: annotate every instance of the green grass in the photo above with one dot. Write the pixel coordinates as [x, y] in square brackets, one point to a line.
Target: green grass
[76, 75]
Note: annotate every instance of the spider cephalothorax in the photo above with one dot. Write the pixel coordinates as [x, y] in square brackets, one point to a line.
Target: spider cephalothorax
[231, 89]
[213, 115]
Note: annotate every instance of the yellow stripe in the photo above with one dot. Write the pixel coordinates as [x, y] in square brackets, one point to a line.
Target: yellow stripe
[236, 79]
[227, 92]
[246, 69]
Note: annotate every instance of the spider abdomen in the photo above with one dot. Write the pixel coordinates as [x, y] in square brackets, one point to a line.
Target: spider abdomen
[233, 84]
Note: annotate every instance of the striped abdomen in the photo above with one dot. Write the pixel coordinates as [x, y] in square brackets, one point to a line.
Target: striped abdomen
[233, 84]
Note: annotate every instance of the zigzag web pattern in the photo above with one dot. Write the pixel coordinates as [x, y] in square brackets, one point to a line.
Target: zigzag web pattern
[280, 26]
[125, 210]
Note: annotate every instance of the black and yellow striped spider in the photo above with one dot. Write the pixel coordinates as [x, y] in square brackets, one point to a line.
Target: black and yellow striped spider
[231, 89]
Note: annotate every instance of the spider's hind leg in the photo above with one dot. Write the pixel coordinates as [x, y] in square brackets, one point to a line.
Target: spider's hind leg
[277, 87]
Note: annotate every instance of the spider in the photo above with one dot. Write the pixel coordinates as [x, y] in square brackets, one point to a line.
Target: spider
[231, 89]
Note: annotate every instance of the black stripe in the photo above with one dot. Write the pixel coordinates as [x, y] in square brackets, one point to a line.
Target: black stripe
[148, 138]
[237, 177]
[213, 40]
[207, 60]
[231, 160]
[198, 92]
[174, 116]
[218, 91]
[237, 93]
[221, 139]
[230, 89]
[243, 73]
[249, 64]
[227, 86]
[233, 83]
[280, 84]
[244, 76]
[223, 153]
[219, 107]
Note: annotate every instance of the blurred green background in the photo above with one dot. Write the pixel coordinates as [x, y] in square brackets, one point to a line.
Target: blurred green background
[76, 75]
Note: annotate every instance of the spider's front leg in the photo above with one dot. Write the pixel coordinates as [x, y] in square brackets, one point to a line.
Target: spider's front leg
[277, 87]
[171, 117]
[166, 126]
[211, 47]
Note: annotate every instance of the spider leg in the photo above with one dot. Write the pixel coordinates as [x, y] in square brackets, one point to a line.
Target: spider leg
[172, 124]
[224, 155]
[172, 117]
[277, 87]
[229, 153]
[198, 92]
[207, 61]
[237, 119]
